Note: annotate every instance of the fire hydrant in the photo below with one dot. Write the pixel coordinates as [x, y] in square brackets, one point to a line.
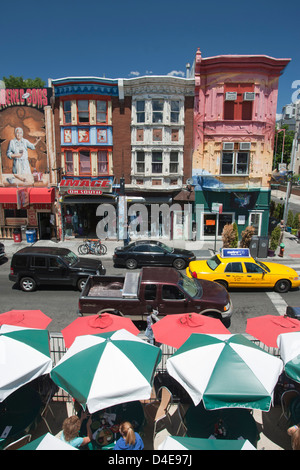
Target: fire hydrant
[282, 245]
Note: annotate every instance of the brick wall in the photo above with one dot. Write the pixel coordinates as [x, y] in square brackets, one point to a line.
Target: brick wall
[121, 121]
[188, 137]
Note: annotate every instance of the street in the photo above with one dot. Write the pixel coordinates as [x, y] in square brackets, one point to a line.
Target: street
[60, 303]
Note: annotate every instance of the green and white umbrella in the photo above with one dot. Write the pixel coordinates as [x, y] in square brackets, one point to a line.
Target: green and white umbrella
[195, 443]
[106, 369]
[289, 347]
[225, 371]
[24, 356]
[48, 442]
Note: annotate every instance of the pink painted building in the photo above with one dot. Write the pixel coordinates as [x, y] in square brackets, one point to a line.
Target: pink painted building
[234, 122]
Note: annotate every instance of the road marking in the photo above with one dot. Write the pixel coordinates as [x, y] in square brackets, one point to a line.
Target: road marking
[278, 302]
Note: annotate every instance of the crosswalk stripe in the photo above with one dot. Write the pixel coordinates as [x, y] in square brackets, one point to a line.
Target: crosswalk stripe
[278, 302]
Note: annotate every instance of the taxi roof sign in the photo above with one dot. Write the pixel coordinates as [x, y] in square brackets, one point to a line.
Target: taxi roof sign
[235, 253]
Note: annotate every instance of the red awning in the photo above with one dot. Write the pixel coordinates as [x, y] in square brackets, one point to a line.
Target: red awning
[8, 195]
[41, 195]
[36, 195]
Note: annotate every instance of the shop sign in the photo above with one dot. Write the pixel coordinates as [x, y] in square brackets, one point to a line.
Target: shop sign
[104, 185]
[32, 218]
[85, 192]
[22, 198]
[35, 97]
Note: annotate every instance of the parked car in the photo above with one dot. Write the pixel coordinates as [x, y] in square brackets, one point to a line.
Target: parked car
[166, 289]
[37, 265]
[245, 272]
[2, 250]
[151, 252]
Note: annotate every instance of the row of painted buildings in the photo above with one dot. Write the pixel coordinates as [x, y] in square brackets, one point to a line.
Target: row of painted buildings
[203, 143]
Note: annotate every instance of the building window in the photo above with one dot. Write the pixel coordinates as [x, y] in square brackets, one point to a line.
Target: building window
[157, 110]
[236, 106]
[235, 163]
[83, 111]
[67, 112]
[140, 162]
[156, 162]
[102, 162]
[84, 162]
[140, 111]
[157, 135]
[101, 108]
[174, 111]
[69, 162]
[174, 162]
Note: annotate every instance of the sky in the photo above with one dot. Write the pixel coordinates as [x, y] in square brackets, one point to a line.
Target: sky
[125, 39]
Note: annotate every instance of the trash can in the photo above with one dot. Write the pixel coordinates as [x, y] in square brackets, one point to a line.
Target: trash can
[17, 235]
[263, 247]
[31, 236]
[254, 244]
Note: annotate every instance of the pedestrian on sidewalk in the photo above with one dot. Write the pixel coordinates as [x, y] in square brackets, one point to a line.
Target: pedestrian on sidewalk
[151, 318]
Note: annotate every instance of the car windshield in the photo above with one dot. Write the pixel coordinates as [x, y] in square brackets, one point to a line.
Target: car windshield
[165, 247]
[262, 265]
[213, 262]
[190, 286]
[70, 258]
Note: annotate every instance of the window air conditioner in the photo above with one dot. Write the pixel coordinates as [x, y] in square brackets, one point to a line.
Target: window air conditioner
[230, 96]
[228, 145]
[245, 145]
[249, 96]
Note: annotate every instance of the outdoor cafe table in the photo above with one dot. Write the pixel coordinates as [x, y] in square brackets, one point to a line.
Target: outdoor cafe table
[236, 422]
[19, 410]
[131, 411]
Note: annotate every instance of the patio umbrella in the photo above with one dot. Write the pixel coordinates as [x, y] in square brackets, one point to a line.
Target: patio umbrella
[103, 370]
[268, 327]
[175, 329]
[27, 318]
[48, 442]
[225, 371]
[24, 356]
[195, 443]
[289, 346]
[97, 324]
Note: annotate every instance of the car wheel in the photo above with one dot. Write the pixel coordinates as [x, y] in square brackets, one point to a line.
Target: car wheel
[131, 263]
[223, 283]
[282, 286]
[81, 283]
[179, 263]
[27, 284]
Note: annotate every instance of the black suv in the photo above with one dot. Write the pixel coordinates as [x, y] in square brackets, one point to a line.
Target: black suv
[37, 265]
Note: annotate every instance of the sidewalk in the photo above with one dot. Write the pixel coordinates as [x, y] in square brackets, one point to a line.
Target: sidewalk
[202, 249]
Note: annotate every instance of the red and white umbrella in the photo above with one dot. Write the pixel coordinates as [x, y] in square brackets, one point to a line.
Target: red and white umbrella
[175, 329]
[97, 324]
[268, 327]
[25, 318]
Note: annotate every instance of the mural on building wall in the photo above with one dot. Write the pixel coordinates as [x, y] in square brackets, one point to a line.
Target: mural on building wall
[23, 138]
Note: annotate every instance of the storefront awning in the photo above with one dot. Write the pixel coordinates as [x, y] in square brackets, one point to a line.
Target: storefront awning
[36, 195]
[41, 195]
[8, 195]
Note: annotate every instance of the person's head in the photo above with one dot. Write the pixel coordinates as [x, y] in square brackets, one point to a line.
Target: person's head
[149, 308]
[71, 427]
[127, 432]
[19, 133]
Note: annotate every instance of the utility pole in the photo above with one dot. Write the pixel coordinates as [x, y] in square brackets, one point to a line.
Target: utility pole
[289, 185]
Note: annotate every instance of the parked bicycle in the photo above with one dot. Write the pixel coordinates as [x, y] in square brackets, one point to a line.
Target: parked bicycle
[92, 246]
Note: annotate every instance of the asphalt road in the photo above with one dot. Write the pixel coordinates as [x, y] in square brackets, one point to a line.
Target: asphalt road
[61, 303]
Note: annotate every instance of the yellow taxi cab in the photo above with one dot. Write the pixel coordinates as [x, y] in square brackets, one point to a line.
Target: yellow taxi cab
[236, 268]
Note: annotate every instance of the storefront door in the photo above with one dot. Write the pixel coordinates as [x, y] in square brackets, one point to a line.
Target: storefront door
[44, 225]
[212, 223]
